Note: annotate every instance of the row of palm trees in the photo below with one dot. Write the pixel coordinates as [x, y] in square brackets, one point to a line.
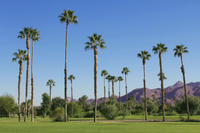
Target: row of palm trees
[95, 42]
[144, 55]
[24, 55]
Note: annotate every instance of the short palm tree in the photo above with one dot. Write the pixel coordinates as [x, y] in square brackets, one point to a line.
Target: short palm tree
[35, 36]
[113, 79]
[120, 79]
[144, 55]
[67, 17]
[95, 42]
[26, 34]
[160, 49]
[179, 51]
[19, 57]
[71, 78]
[50, 83]
[108, 77]
[125, 71]
[104, 73]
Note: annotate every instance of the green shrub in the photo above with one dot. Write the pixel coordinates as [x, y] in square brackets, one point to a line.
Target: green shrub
[58, 114]
[109, 111]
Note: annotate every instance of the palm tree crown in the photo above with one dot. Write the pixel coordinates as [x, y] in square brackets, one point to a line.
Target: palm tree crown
[35, 35]
[120, 78]
[20, 56]
[104, 73]
[179, 50]
[71, 77]
[95, 41]
[51, 82]
[125, 70]
[26, 32]
[160, 48]
[144, 55]
[68, 17]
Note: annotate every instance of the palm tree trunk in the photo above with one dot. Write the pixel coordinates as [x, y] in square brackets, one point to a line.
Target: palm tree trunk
[72, 100]
[185, 89]
[65, 72]
[113, 91]
[19, 86]
[95, 83]
[108, 89]
[104, 90]
[27, 77]
[145, 94]
[126, 91]
[32, 86]
[162, 87]
[50, 87]
[119, 96]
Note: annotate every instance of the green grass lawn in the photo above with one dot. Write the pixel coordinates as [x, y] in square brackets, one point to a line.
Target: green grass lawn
[10, 125]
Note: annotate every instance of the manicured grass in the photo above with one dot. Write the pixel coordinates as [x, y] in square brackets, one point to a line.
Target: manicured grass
[10, 125]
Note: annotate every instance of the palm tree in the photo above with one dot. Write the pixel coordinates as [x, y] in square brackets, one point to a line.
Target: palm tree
[179, 51]
[67, 17]
[50, 83]
[108, 77]
[125, 71]
[144, 55]
[19, 57]
[113, 79]
[71, 78]
[35, 36]
[26, 34]
[95, 42]
[160, 49]
[120, 79]
[104, 73]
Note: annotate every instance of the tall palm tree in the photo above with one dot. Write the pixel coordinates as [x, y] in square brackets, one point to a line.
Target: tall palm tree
[120, 79]
[19, 57]
[108, 77]
[71, 78]
[113, 79]
[125, 71]
[104, 73]
[160, 49]
[179, 51]
[95, 42]
[26, 34]
[50, 83]
[35, 36]
[144, 55]
[67, 17]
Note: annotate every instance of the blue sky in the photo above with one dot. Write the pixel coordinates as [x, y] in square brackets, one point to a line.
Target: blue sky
[127, 26]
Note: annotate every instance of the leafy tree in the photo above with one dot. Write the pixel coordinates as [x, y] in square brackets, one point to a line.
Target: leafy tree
[144, 55]
[76, 109]
[26, 34]
[104, 73]
[160, 49]
[82, 101]
[19, 57]
[71, 78]
[95, 42]
[179, 51]
[50, 83]
[7, 105]
[67, 17]
[45, 104]
[58, 114]
[57, 102]
[193, 105]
